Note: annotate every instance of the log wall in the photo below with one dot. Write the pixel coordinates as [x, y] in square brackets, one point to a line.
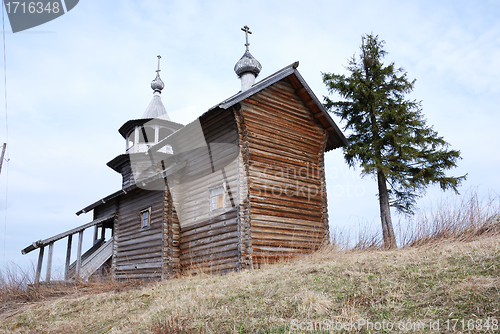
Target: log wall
[208, 238]
[285, 174]
[171, 238]
[245, 242]
[211, 245]
[210, 149]
[138, 251]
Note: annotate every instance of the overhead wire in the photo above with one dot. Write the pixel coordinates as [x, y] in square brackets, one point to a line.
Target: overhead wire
[6, 129]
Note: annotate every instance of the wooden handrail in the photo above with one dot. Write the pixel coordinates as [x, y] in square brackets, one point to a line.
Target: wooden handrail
[43, 243]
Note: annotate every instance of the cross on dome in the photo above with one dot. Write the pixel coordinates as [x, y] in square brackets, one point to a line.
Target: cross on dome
[247, 31]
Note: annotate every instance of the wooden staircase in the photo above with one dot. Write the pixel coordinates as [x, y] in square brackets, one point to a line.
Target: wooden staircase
[86, 264]
[93, 259]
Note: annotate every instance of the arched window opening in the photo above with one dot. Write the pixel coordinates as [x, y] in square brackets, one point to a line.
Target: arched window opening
[146, 134]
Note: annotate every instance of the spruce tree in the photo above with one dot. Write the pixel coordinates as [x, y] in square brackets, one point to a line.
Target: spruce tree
[388, 136]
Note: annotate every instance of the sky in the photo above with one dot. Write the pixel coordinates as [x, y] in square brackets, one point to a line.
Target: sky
[72, 82]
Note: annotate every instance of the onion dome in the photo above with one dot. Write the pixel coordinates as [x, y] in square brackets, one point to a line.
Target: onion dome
[157, 85]
[247, 63]
[156, 109]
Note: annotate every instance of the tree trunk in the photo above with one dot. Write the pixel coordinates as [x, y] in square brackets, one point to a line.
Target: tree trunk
[385, 212]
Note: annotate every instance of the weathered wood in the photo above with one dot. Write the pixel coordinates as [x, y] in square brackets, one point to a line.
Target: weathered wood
[141, 265]
[208, 242]
[94, 258]
[79, 255]
[133, 243]
[209, 233]
[39, 265]
[45, 242]
[212, 257]
[68, 258]
[49, 262]
[285, 172]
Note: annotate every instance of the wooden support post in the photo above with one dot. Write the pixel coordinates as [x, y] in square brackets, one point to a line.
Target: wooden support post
[39, 266]
[68, 258]
[49, 262]
[103, 232]
[79, 256]
[95, 234]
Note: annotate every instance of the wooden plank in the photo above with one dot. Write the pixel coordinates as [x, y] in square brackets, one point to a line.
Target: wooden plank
[211, 247]
[291, 114]
[212, 221]
[208, 242]
[49, 262]
[45, 242]
[79, 256]
[138, 266]
[68, 258]
[133, 252]
[210, 258]
[260, 116]
[207, 234]
[39, 265]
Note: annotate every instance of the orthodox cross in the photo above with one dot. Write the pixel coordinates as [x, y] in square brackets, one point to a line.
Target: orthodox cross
[247, 31]
[158, 70]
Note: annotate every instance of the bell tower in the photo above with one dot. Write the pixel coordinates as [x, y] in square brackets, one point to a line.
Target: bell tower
[141, 134]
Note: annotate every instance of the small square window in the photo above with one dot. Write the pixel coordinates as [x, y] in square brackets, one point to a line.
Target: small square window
[146, 217]
[216, 198]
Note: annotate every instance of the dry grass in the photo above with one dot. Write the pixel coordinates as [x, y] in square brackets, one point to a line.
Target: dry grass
[18, 291]
[443, 273]
[451, 280]
[461, 218]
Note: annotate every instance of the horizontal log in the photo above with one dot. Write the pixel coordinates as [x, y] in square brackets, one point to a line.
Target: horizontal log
[205, 225]
[134, 229]
[270, 137]
[286, 193]
[213, 253]
[280, 149]
[146, 257]
[132, 275]
[277, 237]
[317, 227]
[288, 209]
[152, 265]
[43, 243]
[256, 243]
[290, 231]
[209, 233]
[208, 267]
[146, 248]
[211, 258]
[254, 126]
[287, 103]
[123, 242]
[311, 221]
[267, 109]
[211, 268]
[186, 246]
[265, 121]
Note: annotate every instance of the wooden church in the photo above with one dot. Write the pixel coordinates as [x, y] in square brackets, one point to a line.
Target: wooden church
[242, 185]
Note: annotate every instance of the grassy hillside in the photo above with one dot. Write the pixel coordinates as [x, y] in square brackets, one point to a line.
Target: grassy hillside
[439, 281]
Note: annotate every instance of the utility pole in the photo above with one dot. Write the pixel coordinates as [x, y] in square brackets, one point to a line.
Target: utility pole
[3, 155]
